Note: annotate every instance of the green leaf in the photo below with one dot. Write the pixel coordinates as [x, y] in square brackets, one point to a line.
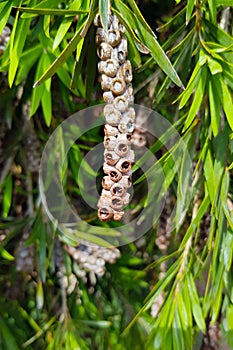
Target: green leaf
[193, 81]
[7, 196]
[6, 255]
[7, 336]
[227, 250]
[193, 225]
[214, 107]
[196, 308]
[18, 38]
[61, 32]
[212, 7]
[139, 44]
[48, 11]
[198, 98]
[214, 66]
[61, 58]
[226, 98]
[224, 2]
[104, 11]
[5, 10]
[189, 11]
[140, 17]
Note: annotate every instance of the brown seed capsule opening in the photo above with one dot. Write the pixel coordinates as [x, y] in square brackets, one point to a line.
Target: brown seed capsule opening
[110, 130]
[118, 215]
[104, 51]
[106, 82]
[108, 97]
[100, 36]
[126, 181]
[114, 37]
[111, 68]
[105, 214]
[107, 183]
[121, 104]
[116, 203]
[111, 157]
[127, 71]
[123, 165]
[126, 126]
[117, 190]
[115, 175]
[117, 86]
[122, 149]
[110, 142]
[112, 115]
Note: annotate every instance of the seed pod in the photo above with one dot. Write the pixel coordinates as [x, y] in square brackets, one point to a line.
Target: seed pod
[126, 126]
[117, 86]
[101, 67]
[125, 138]
[116, 203]
[114, 174]
[111, 68]
[104, 51]
[125, 72]
[110, 130]
[122, 148]
[108, 97]
[114, 37]
[118, 215]
[110, 142]
[123, 165]
[115, 23]
[107, 183]
[105, 213]
[112, 115]
[100, 36]
[129, 114]
[106, 82]
[110, 157]
[128, 94]
[121, 104]
[139, 139]
[126, 198]
[126, 181]
[104, 201]
[117, 190]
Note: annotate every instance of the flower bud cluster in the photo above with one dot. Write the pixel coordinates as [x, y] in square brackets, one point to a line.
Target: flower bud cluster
[115, 78]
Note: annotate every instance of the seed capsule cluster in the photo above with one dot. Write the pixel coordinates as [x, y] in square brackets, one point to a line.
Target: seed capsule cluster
[91, 257]
[25, 254]
[115, 78]
[4, 38]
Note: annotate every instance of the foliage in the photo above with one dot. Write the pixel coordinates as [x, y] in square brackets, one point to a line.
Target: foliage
[182, 268]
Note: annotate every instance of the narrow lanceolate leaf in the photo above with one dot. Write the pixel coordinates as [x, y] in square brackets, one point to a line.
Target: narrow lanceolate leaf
[224, 2]
[18, 37]
[161, 58]
[196, 308]
[227, 102]
[152, 45]
[5, 10]
[104, 10]
[138, 43]
[61, 58]
[214, 107]
[190, 6]
[140, 17]
[198, 97]
[51, 12]
[193, 81]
